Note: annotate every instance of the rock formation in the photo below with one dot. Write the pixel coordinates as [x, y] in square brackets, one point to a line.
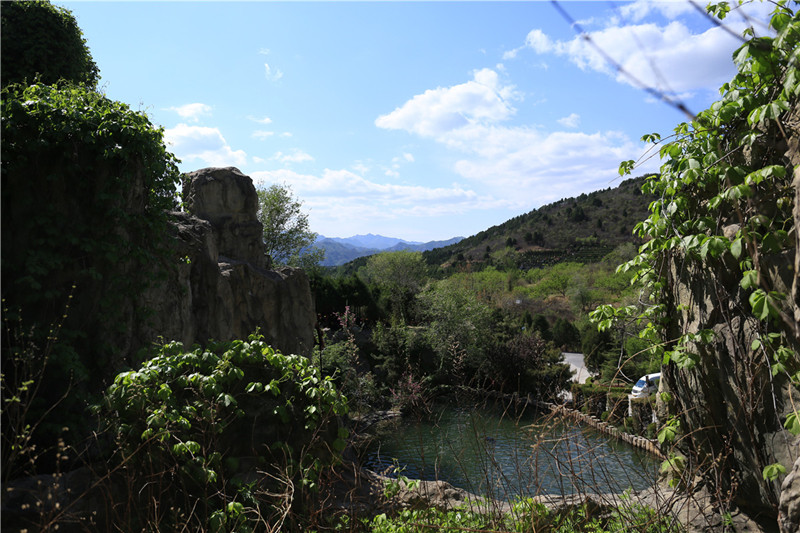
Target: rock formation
[730, 405]
[217, 283]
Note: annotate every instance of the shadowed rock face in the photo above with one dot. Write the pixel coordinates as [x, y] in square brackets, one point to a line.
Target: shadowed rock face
[227, 199]
[730, 405]
[218, 285]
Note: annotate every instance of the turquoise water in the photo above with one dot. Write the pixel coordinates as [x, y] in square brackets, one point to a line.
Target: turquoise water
[502, 455]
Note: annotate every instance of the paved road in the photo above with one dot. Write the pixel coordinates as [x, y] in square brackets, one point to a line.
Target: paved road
[579, 370]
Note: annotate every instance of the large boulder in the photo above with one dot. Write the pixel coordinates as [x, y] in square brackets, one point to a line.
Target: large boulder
[227, 199]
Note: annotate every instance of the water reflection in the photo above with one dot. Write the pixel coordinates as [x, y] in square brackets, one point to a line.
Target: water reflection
[495, 453]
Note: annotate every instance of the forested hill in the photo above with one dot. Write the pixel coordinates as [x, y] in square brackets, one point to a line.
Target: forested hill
[574, 229]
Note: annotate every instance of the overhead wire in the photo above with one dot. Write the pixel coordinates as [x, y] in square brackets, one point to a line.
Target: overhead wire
[653, 91]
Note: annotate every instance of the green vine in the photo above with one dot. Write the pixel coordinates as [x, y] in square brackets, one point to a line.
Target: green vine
[725, 208]
[87, 183]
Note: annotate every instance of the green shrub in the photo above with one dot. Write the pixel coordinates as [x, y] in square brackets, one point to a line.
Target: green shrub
[528, 517]
[232, 428]
[42, 40]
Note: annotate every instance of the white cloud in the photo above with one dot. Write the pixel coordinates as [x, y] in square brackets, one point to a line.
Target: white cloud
[262, 134]
[482, 100]
[342, 199]
[520, 166]
[297, 156]
[406, 157]
[572, 121]
[203, 144]
[192, 112]
[262, 120]
[360, 167]
[510, 54]
[640, 9]
[539, 42]
[270, 74]
[667, 56]
[527, 167]
[286, 134]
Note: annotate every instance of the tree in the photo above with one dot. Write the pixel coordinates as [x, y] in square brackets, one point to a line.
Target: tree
[541, 325]
[399, 275]
[530, 365]
[40, 39]
[459, 328]
[566, 334]
[287, 237]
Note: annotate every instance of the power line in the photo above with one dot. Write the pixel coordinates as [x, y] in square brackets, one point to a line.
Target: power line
[661, 95]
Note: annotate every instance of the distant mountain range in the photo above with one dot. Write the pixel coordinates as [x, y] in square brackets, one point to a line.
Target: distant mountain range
[339, 251]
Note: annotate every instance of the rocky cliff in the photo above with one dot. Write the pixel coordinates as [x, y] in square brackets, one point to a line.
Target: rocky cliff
[217, 282]
[732, 404]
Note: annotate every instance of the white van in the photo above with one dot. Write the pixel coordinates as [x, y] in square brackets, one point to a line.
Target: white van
[646, 385]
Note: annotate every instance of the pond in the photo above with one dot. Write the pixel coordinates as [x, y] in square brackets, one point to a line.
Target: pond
[495, 453]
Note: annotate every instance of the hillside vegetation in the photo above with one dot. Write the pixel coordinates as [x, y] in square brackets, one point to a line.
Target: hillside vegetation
[236, 436]
[581, 229]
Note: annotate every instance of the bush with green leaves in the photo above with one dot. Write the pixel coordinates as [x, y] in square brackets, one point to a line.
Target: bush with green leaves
[458, 328]
[399, 276]
[722, 231]
[42, 42]
[527, 364]
[225, 437]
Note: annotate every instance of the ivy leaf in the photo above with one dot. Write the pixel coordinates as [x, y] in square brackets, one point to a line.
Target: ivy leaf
[749, 280]
[226, 399]
[714, 246]
[668, 432]
[771, 171]
[741, 55]
[770, 111]
[790, 84]
[736, 248]
[626, 167]
[771, 472]
[770, 243]
[758, 301]
[779, 21]
[792, 424]
[254, 387]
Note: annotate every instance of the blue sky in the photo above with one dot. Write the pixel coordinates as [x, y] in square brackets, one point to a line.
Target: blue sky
[416, 120]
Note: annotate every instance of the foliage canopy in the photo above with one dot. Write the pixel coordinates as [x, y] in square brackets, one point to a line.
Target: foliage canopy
[40, 40]
[86, 184]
